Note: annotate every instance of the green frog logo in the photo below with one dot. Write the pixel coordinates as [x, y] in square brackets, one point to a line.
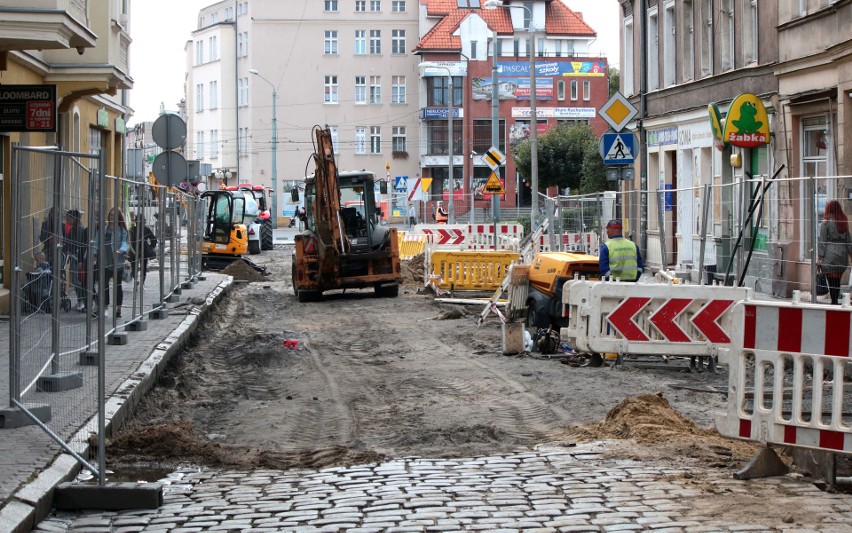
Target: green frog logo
[747, 123]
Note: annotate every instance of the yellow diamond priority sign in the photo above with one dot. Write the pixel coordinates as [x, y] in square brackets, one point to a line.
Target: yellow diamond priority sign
[618, 112]
[494, 185]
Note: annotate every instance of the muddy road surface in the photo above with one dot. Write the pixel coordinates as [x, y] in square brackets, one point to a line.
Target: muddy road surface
[269, 381]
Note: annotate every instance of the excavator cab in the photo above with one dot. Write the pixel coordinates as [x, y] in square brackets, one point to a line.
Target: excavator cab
[225, 235]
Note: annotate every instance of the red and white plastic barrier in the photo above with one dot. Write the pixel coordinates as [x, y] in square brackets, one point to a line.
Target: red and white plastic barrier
[649, 318]
[467, 236]
[797, 360]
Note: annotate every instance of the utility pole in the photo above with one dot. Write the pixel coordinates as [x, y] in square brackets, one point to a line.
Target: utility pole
[274, 159]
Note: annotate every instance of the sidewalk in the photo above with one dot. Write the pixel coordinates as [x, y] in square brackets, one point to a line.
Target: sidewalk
[32, 463]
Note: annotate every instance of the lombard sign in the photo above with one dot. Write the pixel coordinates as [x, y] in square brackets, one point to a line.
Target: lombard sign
[28, 108]
[747, 124]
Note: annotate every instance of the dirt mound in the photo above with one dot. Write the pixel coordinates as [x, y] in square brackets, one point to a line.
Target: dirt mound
[319, 458]
[412, 272]
[649, 420]
[243, 271]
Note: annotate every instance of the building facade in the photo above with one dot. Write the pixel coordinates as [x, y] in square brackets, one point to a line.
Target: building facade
[83, 48]
[468, 41]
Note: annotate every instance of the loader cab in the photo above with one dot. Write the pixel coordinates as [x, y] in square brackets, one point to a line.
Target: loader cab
[359, 211]
[224, 228]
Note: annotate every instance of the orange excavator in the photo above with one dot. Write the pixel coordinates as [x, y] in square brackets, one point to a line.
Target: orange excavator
[344, 245]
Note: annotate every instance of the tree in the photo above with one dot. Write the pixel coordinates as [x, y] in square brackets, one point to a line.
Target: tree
[614, 80]
[562, 154]
[594, 173]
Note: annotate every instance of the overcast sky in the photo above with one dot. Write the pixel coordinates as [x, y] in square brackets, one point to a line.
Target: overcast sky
[160, 29]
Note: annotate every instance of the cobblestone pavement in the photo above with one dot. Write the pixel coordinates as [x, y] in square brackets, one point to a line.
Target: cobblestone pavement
[550, 489]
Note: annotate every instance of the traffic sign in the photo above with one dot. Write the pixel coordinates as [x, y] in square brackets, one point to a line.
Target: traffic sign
[425, 183]
[400, 184]
[494, 185]
[494, 158]
[618, 148]
[618, 111]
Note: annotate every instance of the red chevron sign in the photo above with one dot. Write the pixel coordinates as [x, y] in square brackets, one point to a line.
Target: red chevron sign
[622, 319]
[664, 318]
[705, 320]
[444, 236]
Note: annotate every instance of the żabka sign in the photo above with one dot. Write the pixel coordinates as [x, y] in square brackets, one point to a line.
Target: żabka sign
[747, 124]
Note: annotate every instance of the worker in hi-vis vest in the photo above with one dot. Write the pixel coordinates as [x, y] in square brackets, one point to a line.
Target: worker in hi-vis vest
[619, 257]
[441, 216]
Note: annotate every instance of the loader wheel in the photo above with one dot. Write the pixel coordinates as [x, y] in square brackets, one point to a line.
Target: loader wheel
[254, 247]
[595, 360]
[531, 317]
[266, 236]
[388, 291]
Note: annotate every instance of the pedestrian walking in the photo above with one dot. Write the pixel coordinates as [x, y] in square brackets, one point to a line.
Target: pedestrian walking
[116, 247]
[412, 216]
[74, 246]
[619, 257]
[143, 247]
[834, 247]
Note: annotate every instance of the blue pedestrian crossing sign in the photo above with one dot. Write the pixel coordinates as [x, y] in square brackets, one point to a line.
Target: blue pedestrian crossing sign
[400, 184]
[618, 148]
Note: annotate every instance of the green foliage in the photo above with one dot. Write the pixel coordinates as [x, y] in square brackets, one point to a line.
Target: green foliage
[594, 173]
[614, 80]
[561, 155]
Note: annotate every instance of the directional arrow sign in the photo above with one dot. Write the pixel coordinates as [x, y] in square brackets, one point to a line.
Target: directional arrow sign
[453, 236]
[664, 318]
[705, 321]
[622, 319]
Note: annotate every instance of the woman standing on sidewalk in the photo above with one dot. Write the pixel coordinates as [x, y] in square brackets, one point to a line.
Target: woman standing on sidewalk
[114, 234]
[834, 247]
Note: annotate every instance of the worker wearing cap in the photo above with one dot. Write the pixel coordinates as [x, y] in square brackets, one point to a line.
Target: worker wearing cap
[441, 214]
[619, 257]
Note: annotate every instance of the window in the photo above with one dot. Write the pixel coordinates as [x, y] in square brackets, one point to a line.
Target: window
[438, 91]
[229, 13]
[214, 143]
[498, 47]
[470, 4]
[360, 89]
[574, 91]
[627, 71]
[653, 50]
[330, 47]
[242, 97]
[527, 14]
[330, 93]
[706, 37]
[360, 139]
[539, 48]
[375, 139]
[214, 94]
[587, 90]
[726, 35]
[360, 6]
[241, 45]
[242, 142]
[199, 52]
[482, 135]
[473, 50]
[557, 48]
[399, 144]
[749, 31]
[375, 42]
[199, 98]
[334, 138]
[375, 6]
[669, 44]
[331, 5]
[398, 42]
[398, 90]
[360, 42]
[199, 145]
[516, 47]
[437, 142]
[398, 6]
[213, 48]
[375, 89]
[560, 89]
[687, 41]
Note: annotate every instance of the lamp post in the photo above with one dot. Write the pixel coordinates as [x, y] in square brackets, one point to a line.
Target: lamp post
[274, 148]
[451, 203]
[494, 4]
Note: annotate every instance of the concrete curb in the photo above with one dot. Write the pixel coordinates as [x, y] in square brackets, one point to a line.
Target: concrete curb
[34, 500]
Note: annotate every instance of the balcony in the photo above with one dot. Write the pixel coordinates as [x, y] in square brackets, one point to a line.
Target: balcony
[45, 24]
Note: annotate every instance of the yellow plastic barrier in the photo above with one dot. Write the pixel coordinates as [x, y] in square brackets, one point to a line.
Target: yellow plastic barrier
[410, 245]
[471, 270]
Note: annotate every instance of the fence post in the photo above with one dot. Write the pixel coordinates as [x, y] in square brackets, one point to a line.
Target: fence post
[705, 212]
[661, 220]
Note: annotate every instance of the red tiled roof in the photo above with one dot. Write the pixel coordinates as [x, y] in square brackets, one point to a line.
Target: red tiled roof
[559, 20]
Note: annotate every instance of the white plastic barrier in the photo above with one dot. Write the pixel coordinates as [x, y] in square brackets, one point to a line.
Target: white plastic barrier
[446, 236]
[789, 376]
[649, 318]
[482, 235]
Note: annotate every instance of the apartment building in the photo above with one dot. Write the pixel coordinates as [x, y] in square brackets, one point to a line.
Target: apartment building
[467, 40]
[678, 57]
[82, 47]
[344, 64]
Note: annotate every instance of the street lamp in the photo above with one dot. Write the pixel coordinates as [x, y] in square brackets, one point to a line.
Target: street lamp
[451, 204]
[274, 149]
[494, 4]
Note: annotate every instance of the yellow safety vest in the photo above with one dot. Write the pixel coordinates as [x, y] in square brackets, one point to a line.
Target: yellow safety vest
[623, 262]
